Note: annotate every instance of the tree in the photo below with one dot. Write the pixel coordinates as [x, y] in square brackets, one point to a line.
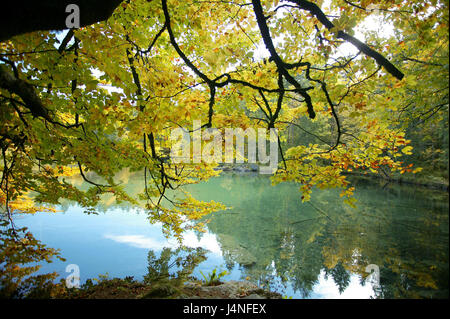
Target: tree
[24, 16]
[169, 63]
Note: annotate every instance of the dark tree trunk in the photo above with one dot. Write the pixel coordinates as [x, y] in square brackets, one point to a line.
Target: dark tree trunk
[22, 16]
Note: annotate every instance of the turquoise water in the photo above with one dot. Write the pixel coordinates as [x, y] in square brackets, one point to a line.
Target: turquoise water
[318, 249]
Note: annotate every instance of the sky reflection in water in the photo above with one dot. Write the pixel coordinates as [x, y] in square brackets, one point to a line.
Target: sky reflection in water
[320, 249]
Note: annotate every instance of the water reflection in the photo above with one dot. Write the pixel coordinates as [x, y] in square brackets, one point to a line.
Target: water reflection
[277, 240]
[312, 250]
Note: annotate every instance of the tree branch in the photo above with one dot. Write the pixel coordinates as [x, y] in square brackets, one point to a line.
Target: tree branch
[318, 13]
[22, 16]
[26, 92]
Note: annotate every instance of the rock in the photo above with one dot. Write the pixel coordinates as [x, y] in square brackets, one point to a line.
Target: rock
[191, 285]
[162, 290]
[228, 290]
[254, 296]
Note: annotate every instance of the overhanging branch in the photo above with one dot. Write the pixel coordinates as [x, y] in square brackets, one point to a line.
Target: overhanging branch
[318, 13]
[26, 92]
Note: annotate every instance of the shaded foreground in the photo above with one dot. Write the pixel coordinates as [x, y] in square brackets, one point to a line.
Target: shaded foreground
[128, 288]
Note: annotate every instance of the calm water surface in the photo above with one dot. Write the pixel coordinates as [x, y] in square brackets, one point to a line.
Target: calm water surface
[318, 249]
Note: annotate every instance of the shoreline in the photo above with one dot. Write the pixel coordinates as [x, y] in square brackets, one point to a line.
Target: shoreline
[253, 168]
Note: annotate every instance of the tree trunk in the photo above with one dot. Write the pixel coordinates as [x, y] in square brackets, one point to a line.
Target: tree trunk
[22, 16]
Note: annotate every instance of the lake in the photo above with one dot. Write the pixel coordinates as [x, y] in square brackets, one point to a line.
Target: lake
[317, 249]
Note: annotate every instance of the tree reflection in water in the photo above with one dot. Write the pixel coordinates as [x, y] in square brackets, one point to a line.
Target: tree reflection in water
[277, 240]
